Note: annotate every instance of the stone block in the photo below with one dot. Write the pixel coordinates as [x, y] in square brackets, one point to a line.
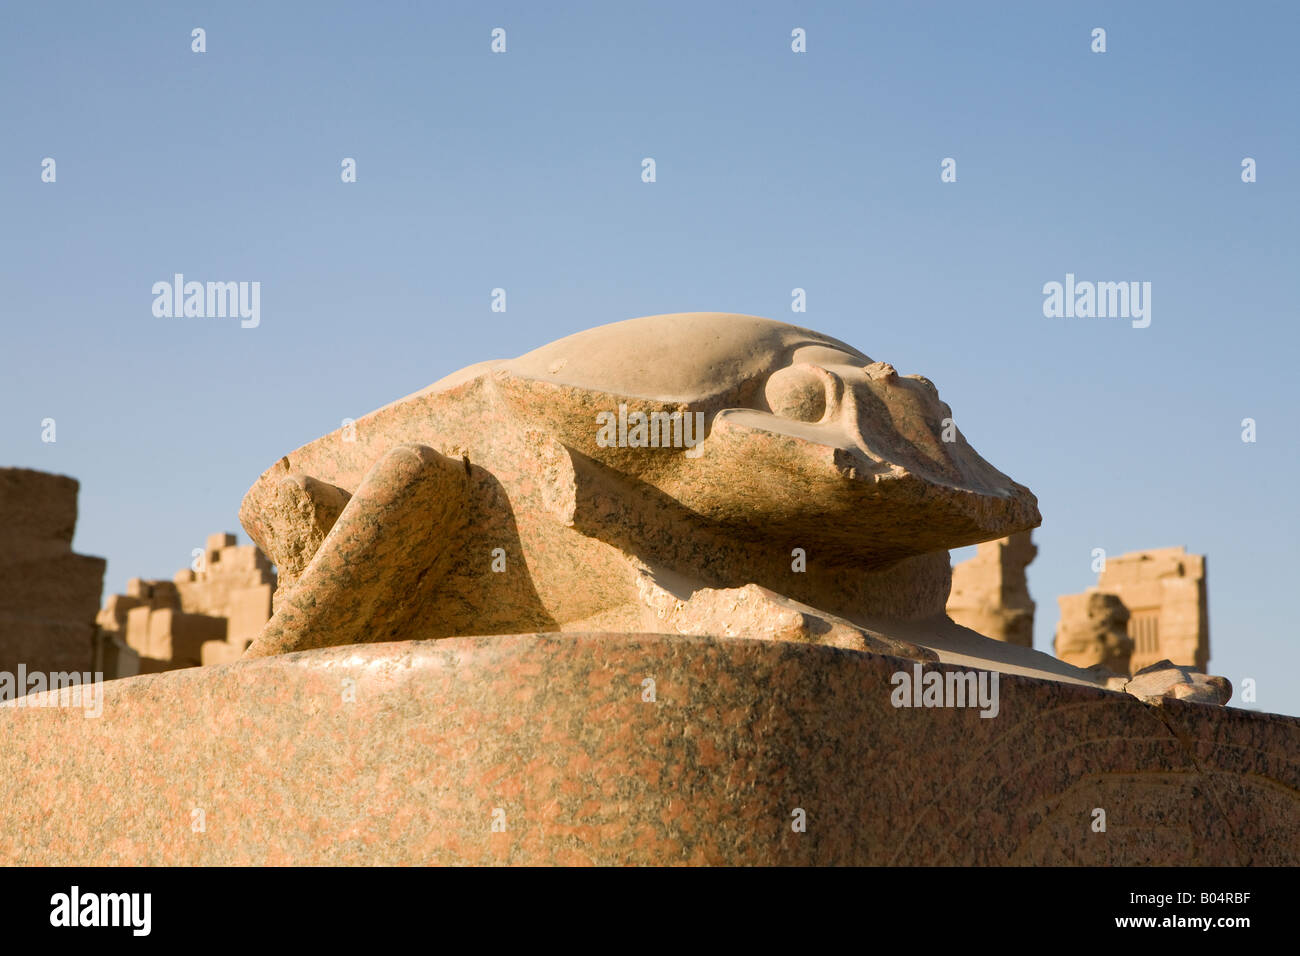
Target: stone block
[49, 596]
[65, 588]
[45, 645]
[137, 629]
[552, 730]
[249, 610]
[114, 658]
[220, 652]
[38, 510]
[112, 616]
[178, 636]
[164, 594]
[217, 542]
[234, 558]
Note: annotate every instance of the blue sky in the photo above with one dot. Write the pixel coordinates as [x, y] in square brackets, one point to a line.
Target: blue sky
[774, 171]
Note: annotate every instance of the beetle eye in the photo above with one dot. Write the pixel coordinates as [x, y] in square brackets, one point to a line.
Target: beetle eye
[797, 392]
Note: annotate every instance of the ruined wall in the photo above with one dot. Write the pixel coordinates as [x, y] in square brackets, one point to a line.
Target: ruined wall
[48, 594]
[202, 616]
[1164, 592]
[990, 593]
[1094, 631]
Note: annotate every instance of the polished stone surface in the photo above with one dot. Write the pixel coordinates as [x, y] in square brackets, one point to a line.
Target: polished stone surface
[409, 752]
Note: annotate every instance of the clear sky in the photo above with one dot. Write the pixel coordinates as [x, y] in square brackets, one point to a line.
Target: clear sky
[775, 170]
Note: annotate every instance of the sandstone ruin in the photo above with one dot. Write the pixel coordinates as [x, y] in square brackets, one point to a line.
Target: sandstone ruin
[48, 594]
[208, 616]
[1093, 632]
[1162, 593]
[990, 593]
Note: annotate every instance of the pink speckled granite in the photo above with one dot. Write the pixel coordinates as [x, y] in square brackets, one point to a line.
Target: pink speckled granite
[553, 730]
